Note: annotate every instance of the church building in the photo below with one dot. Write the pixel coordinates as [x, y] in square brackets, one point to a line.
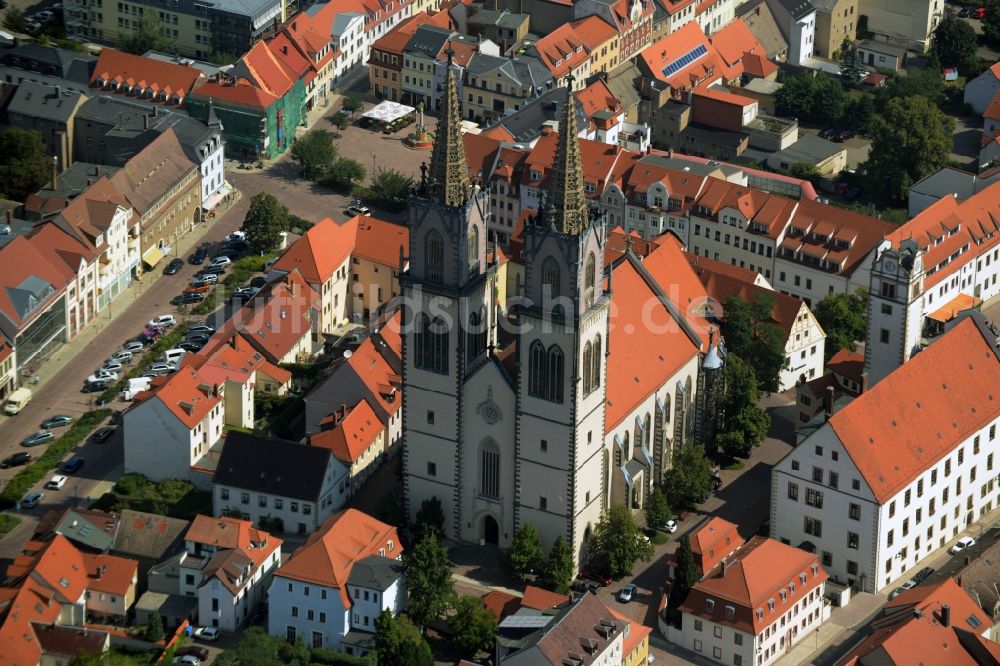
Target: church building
[571, 395]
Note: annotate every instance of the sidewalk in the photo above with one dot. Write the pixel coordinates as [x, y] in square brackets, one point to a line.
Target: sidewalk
[51, 368]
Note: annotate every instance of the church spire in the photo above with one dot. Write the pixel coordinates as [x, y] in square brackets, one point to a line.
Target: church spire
[449, 172]
[566, 203]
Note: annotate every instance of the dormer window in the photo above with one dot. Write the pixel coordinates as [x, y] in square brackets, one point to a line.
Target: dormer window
[770, 605]
[802, 578]
[536, 175]
[760, 613]
[730, 612]
[783, 594]
[710, 605]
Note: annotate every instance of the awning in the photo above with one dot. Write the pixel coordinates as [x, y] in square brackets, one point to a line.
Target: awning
[956, 305]
[213, 200]
[152, 256]
[387, 111]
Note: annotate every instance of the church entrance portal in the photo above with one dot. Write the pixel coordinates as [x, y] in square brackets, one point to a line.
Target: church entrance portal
[491, 531]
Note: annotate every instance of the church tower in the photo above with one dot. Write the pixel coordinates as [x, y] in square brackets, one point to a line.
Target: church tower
[561, 464]
[894, 321]
[449, 315]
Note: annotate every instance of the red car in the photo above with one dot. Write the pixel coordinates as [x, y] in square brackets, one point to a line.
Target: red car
[978, 13]
[603, 579]
[201, 289]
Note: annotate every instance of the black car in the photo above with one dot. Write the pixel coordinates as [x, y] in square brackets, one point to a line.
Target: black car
[187, 298]
[102, 435]
[212, 270]
[21, 458]
[828, 133]
[197, 338]
[194, 650]
[188, 345]
[258, 282]
[173, 267]
[199, 255]
[117, 416]
[843, 135]
[95, 387]
[923, 575]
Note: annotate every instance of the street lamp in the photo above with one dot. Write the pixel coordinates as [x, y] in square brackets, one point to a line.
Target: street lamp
[373, 165]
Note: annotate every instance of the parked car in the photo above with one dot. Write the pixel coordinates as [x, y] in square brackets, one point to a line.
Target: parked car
[173, 267]
[221, 260]
[206, 633]
[162, 320]
[73, 465]
[56, 482]
[237, 235]
[161, 367]
[112, 366]
[205, 279]
[123, 356]
[963, 544]
[193, 650]
[199, 255]
[603, 579]
[214, 269]
[37, 438]
[187, 298]
[133, 347]
[190, 346]
[103, 374]
[198, 338]
[671, 526]
[828, 133]
[187, 660]
[200, 289]
[16, 460]
[258, 282]
[358, 209]
[627, 593]
[102, 435]
[57, 421]
[200, 328]
[902, 588]
[923, 575]
[31, 500]
[46, 16]
[843, 135]
[96, 386]
[978, 13]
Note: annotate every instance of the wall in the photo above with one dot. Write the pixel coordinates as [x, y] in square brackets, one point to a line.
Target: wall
[804, 350]
[907, 22]
[329, 616]
[372, 286]
[980, 91]
[164, 224]
[832, 27]
[234, 611]
[157, 444]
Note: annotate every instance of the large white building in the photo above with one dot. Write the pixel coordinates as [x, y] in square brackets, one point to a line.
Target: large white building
[943, 261]
[903, 469]
[550, 421]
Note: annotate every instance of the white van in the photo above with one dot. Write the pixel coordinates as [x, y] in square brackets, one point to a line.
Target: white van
[17, 401]
[174, 356]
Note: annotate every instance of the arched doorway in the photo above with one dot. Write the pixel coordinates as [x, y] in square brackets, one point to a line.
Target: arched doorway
[491, 531]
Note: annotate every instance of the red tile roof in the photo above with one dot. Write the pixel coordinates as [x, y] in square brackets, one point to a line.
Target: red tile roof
[594, 32]
[735, 40]
[319, 252]
[234, 361]
[714, 541]
[263, 67]
[754, 575]
[721, 286]
[562, 50]
[380, 241]
[240, 93]
[62, 249]
[895, 430]
[110, 574]
[539, 599]
[288, 51]
[343, 539]
[705, 69]
[723, 96]
[598, 97]
[618, 242]
[351, 434]
[184, 393]
[156, 76]
[849, 364]
[19, 261]
[238, 544]
[501, 604]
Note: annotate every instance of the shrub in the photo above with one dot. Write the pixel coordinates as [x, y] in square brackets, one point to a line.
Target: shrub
[207, 305]
[242, 270]
[8, 523]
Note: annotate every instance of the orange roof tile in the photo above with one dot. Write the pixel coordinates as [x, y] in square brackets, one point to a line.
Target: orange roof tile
[20, 260]
[236, 541]
[235, 361]
[539, 599]
[186, 395]
[241, 93]
[598, 97]
[380, 241]
[847, 363]
[352, 433]
[343, 539]
[707, 68]
[261, 65]
[288, 51]
[561, 50]
[501, 604]
[111, 574]
[893, 432]
[320, 251]
[714, 541]
[721, 286]
[723, 96]
[735, 40]
[147, 72]
[594, 32]
[63, 249]
[636, 633]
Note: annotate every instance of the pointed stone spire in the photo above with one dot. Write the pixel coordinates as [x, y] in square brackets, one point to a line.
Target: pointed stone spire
[449, 171]
[213, 120]
[566, 205]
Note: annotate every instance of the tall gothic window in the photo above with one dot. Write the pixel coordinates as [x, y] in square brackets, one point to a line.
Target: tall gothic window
[647, 427]
[489, 468]
[637, 429]
[430, 345]
[475, 335]
[625, 447]
[536, 370]
[550, 276]
[472, 249]
[687, 390]
[555, 371]
[595, 368]
[588, 363]
[434, 256]
[666, 408]
[590, 279]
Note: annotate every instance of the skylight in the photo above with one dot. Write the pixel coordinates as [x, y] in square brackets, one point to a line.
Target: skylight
[974, 622]
[685, 60]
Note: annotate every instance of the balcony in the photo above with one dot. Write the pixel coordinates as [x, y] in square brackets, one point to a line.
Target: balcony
[634, 137]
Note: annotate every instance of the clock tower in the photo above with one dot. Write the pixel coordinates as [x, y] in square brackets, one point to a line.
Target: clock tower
[894, 312]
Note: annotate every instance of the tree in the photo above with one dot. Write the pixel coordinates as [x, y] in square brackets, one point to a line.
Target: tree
[154, 630]
[685, 573]
[399, 643]
[428, 580]
[149, 36]
[616, 543]
[844, 319]
[991, 24]
[657, 508]
[819, 98]
[256, 647]
[526, 554]
[924, 82]
[352, 104]
[429, 519]
[264, 222]
[472, 626]
[344, 174]
[559, 566]
[315, 152]
[339, 121]
[24, 167]
[110, 658]
[806, 171]
[390, 188]
[860, 112]
[742, 423]
[954, 43]
[13, 19]
[389, 511]
[750, 333]
[910, 139]
[690, 477]
[852, 66]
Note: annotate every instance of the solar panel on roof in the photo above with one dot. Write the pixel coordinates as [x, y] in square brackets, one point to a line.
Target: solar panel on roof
[685, 60]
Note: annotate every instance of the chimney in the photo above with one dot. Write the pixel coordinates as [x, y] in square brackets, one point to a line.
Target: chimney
[156, 111]
[293, 25]
[828, 403]
[145, 122]
[97, 170]
[55, 171]
[945, 615]
[10, 217]
[725, 565]
[284, 49]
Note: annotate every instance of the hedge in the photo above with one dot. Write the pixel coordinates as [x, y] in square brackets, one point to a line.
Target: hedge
[49, 460]
[243, 269]
[170, 497]
[207, 305]
[168, 341]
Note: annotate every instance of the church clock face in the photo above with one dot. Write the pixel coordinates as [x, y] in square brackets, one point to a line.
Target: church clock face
[890, 265]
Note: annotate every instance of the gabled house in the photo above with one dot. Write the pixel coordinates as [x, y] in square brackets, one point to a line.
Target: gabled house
[279, 485]
[228, 565]
[980, 91]
[49, 110]
[843, 381]
[333, 588]
[145, 78]
[356, 437]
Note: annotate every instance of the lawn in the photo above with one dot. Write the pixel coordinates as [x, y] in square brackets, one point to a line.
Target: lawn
[7, 523]
[170, 497]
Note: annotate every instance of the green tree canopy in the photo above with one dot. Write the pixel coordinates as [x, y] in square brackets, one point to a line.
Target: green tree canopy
[353, 104]
[806, 171]
[389, 510]
[13, 19]
[429, 519]
[751, 334]
[399, 643]
[812, 98]
[616, 543]
[924, 82]
[429, 586]
[954, 43]
[852, 66]
[860, 112]
[657, 508]
[559, 566]
[344, 174]
[472, 626]
[390, 188]
[255, 646]
[526, 554]
[690, 477]
[24, 167]
[910, 139]
[315, 152]
[154, 629]
[844, 319]
[742, 423]
[150, 36]
[264, 222]
[685, 575]
[991, 23]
